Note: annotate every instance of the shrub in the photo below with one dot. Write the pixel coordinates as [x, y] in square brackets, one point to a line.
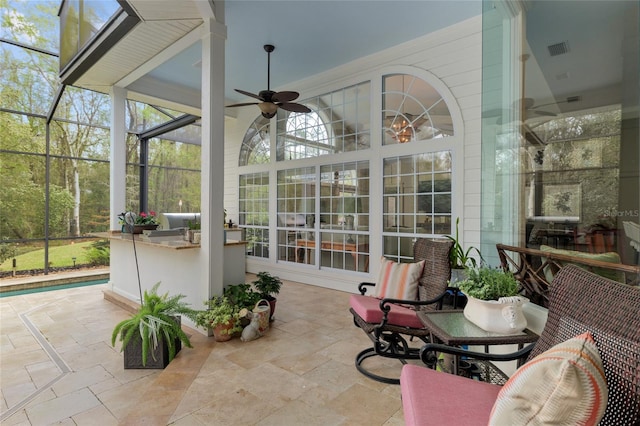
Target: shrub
[99, 253]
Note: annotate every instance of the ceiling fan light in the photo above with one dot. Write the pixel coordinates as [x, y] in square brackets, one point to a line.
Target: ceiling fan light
[268, 108]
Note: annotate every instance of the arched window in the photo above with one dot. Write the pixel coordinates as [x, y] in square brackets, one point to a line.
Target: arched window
[256, 143]
[412, 110]
[304, 136]
[340, 122]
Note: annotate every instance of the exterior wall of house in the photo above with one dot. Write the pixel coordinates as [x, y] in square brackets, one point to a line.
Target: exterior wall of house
[454, 56]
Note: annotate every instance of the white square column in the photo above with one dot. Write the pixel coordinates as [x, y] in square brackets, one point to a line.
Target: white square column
[212, 173]
[118, 157]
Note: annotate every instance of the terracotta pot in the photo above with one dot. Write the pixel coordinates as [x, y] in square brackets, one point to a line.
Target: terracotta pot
[272, 306]
[221, 332]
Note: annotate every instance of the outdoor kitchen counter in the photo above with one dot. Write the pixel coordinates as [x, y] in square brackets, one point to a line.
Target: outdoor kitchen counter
[170, 244]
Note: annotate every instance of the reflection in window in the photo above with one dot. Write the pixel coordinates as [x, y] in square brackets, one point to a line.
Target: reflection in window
[416, 200]
[253, 197]
[256, 144]
[305, 136]
[412, 110]
[572, 181]
[344, 215]
[295, 210]
[340, 122]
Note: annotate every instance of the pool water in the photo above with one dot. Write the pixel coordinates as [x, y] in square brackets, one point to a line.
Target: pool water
[53, 287]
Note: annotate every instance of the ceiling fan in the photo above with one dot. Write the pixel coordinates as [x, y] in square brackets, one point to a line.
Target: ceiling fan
[270, 101]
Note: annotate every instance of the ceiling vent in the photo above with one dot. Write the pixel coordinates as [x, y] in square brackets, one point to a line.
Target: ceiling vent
[558, 48]
[574, 99]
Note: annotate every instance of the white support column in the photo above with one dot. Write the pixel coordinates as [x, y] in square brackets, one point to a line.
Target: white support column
[118, 159]
[212, 183]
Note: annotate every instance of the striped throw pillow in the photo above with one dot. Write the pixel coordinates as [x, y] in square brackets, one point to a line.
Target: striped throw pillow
[398, 280]
[565, 385]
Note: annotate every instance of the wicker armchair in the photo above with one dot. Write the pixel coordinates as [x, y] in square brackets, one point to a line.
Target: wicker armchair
[579, 301]
[390, 322]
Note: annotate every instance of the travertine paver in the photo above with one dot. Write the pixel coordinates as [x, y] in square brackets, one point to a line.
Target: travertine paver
[301, 372]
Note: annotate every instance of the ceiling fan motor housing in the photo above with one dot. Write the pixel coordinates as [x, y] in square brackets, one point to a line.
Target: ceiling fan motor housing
[270, 101]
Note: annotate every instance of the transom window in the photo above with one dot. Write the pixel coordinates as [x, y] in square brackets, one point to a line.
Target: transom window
[340, 122]
[256, 144]
[412, 110]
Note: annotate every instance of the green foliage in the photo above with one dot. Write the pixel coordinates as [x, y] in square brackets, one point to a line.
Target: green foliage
[487, 283]
[459, 258]
[241, 295]
[99, 253]
[156, 321]
[220, 311]
[7, 251]
[267, 285]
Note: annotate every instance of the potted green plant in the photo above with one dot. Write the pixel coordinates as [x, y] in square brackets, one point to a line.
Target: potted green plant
[193, 228]
[459, 258]
[268, 286]
[242, 295]
[493, 301]
[154, 330]
[221, 316]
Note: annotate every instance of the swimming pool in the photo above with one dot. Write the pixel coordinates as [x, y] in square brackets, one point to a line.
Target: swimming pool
[53, 287]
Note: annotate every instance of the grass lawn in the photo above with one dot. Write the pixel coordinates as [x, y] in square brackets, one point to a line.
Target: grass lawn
[58, 257]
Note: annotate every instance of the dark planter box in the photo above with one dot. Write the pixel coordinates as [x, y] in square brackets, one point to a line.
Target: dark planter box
[155, 359]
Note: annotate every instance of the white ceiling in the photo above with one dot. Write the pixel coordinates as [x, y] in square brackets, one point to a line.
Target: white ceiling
[313, 36]
[310, 36]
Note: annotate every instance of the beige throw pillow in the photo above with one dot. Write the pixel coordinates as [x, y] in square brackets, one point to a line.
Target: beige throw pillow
[565, 385]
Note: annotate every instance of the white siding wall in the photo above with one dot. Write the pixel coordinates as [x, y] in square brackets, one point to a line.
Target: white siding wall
[454, 56]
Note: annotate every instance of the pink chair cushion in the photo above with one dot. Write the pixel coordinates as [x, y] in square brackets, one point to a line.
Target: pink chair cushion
[369, 310]
[435, 398]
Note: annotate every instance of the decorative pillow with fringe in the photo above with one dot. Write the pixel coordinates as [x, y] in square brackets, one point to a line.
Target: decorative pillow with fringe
[565, 385]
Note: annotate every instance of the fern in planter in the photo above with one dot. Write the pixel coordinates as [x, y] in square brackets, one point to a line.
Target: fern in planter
[157, 320]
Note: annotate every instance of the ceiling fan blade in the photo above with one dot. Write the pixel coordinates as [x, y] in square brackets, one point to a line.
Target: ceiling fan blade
[251, 95]
[527, 103]
[293, 107]
[285, 96]
[544, 113]
[240, 105]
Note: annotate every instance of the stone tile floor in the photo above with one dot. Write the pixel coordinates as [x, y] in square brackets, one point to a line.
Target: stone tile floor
[57, 366]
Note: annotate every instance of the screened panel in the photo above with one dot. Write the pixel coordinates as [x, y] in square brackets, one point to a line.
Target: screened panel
[71, 139]
[29, 79]
[174, 176]
[22, 133]
[22, 179]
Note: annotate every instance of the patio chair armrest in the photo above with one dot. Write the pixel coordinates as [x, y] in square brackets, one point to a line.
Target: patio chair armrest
[415, 303]
[362, 287]
[437, 347]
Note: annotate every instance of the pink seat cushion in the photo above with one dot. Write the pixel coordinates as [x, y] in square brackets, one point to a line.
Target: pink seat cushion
[369, 310]
[435, 398]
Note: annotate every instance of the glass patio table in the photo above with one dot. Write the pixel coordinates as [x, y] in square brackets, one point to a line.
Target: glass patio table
[453, 329]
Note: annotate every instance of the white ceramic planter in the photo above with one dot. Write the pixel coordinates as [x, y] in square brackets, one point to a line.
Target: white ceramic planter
[502, 316]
